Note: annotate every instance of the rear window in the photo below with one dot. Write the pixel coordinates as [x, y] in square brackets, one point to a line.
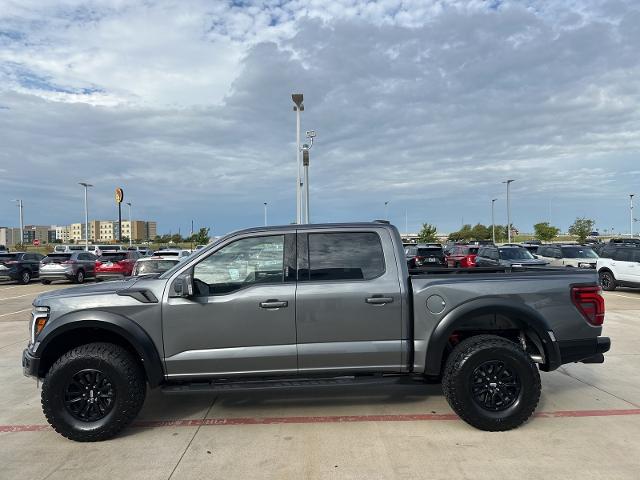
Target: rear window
[430, 252]
[515, 253]
[577, 252]
[112, 257]
[166, 254]
[57, 258]
[472, 251]
[344, 256]
[153, 266]
[7, 256]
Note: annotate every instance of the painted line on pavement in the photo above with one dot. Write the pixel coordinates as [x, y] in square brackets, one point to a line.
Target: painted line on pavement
[419, 417]
[13, 313]
[624, 296]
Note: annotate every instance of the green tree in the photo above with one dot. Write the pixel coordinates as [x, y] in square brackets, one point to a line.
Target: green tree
[202, 237]
[427, 233]
[463, 234]
[545, 232]
[581, 228]
[480, 232]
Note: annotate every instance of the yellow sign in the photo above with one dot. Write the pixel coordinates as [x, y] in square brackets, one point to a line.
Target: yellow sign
[119, 195]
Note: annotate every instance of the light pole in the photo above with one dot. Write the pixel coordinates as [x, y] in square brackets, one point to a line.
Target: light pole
[631, 214]
[86, 215]
[298, 107]
[386, 210]
[20, 209]
[311, 134]
[508, 182]
[265, 214]
[130, 226]
[493, 220]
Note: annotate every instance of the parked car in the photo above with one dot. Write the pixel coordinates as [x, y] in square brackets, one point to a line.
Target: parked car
[116, 265]
[571, 255]
[68, 248]
[73, 266]
[20, 266]
[619, 266]
[462, 256]
[98, 250]
[153, 265]
[532, 245]
[348, 312]
[506, 256]
[424, 254]
[172, 252]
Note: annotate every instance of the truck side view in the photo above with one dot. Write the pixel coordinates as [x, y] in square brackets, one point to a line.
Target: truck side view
[301, 305]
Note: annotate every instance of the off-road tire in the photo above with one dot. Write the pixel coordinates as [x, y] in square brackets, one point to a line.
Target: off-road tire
[125, 375]
[608, 281]
[457, 382]
[79, 278]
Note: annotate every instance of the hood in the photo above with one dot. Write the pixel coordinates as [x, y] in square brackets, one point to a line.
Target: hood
[89, 289]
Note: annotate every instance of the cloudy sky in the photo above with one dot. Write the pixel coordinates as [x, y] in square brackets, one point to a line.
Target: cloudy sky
[427, 104]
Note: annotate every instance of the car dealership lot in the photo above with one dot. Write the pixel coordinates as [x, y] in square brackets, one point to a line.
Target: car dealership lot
[588, 424]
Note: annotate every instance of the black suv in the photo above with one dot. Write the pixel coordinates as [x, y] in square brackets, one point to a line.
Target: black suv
[20, 266]
[424, 255]
[506, 256]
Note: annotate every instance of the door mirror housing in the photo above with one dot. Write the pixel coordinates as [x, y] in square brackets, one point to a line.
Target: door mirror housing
[183, 286]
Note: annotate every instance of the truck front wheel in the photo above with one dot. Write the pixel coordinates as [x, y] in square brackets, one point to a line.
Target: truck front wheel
[491, 383]
[93, 391]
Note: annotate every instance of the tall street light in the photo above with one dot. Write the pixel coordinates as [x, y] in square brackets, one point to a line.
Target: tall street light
[311, 134]
[493, 220]
[130, 226]
[508, 182]
[20, 209]
[86, 215]
[298, 107]
[265, 213]
[631, 195]
[386, 210]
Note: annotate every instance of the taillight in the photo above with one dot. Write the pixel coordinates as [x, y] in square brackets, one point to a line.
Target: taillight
[471, 260]
[590, 303]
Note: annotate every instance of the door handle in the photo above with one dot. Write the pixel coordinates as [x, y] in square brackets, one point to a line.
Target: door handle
[274, 304]
[379, 300]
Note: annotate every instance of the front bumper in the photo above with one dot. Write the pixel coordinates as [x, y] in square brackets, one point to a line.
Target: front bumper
[588, 350]
[30, 364]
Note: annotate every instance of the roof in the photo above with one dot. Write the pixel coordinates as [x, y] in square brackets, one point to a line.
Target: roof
[310, 226]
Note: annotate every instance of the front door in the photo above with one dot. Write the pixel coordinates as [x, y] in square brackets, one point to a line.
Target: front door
[241, 319]
[348, 302]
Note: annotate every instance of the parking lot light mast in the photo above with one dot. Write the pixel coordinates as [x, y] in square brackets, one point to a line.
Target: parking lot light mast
[631, 195]
[298, 107]
[86, 215]
[130, 225]
[20, 208]
[386, 210]
[265, 213]
[493, 220]
[508, 182]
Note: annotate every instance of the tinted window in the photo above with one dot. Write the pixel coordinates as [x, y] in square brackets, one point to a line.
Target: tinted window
[430, 252]
[543, 251]
[57, 257]
[623, 255]
[345, 256]
[241, 263]
[471, 251]
[411, 251]
[635, 256]
[515, 254]
[112, 257]
[153, 266]
[578, 252]
[606, 253]
[4, 257]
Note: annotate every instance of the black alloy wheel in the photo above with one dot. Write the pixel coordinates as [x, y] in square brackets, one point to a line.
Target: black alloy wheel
[495, 386]
[89, 396]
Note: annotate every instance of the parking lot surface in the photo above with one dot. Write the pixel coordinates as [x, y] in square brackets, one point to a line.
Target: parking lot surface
[587, 425]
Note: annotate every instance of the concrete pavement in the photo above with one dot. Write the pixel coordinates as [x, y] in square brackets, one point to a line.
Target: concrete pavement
[588, 425]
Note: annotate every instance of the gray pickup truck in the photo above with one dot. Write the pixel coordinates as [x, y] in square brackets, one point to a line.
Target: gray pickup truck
[309, 305]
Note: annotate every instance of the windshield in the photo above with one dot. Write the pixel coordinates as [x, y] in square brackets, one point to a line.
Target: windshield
[7, 256]
[516, 254]
[153, 266]
[112, 257]
[578, 252]
[56, 258]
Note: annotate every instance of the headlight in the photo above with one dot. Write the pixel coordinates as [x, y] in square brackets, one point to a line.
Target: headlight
[39, 318]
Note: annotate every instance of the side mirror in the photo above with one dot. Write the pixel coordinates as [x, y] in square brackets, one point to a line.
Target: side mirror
[183, 286]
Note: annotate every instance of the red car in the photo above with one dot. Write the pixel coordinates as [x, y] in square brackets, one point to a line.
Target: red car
[115, 264]
[462, 256]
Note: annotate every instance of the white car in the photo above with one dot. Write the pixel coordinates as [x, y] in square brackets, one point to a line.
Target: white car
[570, 255]
[619, 266]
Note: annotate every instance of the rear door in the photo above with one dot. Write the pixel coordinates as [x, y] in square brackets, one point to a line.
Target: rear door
[625, 269]
[348, 302]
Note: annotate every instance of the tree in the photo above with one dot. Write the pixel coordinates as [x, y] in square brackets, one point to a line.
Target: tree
[581, 228]
[545, 232]
[202, 237]
[463, 234]
[427, 234]
[480, 232]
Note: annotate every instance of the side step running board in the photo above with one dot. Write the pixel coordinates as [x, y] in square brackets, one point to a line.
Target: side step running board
[219, 386]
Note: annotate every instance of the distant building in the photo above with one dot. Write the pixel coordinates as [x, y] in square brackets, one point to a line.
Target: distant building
[63, 232]
[107, 230]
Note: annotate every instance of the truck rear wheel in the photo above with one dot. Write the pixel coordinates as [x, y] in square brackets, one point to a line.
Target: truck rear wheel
[491, 383]
[93, 391]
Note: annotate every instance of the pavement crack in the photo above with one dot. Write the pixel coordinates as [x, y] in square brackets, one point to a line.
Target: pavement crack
[192, 437]
[565, 372]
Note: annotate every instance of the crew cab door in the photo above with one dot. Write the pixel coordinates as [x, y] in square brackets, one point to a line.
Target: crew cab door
[240, 319]
[348, 302]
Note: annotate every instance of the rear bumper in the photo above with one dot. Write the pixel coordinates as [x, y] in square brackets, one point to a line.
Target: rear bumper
[68, 275]
[110, 275]
[588, 350]
[30, 364]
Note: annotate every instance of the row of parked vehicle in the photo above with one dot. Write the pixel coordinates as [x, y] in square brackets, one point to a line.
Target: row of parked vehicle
[617, 261]
[74, 263]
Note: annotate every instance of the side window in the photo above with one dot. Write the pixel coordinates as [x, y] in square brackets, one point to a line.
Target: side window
[495, 254]
[483, 252]
[242, 263]
[623, 255]
[29, 257]
[635, 256]
[344, 256]
[543, 251]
